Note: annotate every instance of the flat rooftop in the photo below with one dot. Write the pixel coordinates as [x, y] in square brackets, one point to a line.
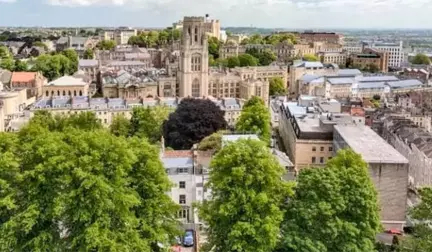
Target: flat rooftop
[364, 141]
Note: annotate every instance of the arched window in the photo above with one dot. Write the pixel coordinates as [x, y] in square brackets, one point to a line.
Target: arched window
[47, 93]
[69, 93]
[64, 93]
[74, 92]
[52, 93]
[196, 88]
[196, 34]
[80, 93]
[196, 62]
[58, 92]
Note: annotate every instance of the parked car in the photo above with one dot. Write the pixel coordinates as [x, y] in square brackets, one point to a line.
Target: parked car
[188, 239]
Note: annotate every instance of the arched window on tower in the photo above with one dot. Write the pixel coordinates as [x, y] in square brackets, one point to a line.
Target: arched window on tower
[196, 62]
[196, 34]
[196, 88]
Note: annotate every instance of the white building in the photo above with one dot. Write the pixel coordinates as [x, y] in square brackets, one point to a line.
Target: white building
[395, 50]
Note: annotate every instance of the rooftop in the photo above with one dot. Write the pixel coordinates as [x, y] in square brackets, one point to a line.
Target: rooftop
[362, 138]
[67, 81]
[23, 76]
[377, 78]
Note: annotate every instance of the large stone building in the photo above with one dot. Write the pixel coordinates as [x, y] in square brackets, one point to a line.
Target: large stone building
[66, 86]
[120, 36]
[196, 79]
[125, 53]
[370, 56]
[329, 37]
[32, 81]
[388, 170]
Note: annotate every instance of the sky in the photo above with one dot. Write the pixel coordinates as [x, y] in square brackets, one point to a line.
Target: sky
[306, 14]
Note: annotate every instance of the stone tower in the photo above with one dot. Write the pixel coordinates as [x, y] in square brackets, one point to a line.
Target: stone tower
[194, 68]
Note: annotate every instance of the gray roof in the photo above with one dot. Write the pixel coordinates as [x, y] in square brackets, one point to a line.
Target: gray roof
[377, 78]
[126, 63]
[309, 64]
[364, 141]
[177, 162]
[405, 84]
[309, 77]
[74, 40]
[88, 63]
[349, 72]
[339, 81]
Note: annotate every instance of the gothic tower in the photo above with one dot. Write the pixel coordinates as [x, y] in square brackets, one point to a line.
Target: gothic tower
[194, 68]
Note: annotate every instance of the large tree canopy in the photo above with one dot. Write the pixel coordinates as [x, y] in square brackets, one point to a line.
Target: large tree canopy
[80, 188]
[255, 118]
[277, 86]
[334, 208]
[147, 122]
[244, 213]
[193, 120]
[421, 59]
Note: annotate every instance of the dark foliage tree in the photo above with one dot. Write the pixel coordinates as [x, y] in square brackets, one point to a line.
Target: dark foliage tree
[193, 120]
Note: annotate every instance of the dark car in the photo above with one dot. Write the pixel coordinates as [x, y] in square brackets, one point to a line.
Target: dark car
[188, 240]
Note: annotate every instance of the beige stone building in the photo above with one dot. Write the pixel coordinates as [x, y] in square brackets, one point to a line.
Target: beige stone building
[106, 109]
[12, 105]
[66, 86]
[32, 81]
[197, 80]
[370, 56]
[339, 58]
[126, 53]
[137, 83]
[120, 36]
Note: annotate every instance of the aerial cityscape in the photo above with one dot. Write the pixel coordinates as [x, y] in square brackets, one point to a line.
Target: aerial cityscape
[233, 131]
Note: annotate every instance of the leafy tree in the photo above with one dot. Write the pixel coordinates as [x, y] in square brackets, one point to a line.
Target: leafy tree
[247, 60]
[421, 59]
[193, 120]
[88, 54]
[41, 44]
[421, 240]
[80, 188]
[228, 33]
[55, 66]
[106, 45]
[333, 209]
[265, 57]
[233, 61]
[147, 122]
[120, 126]
[212, 142]
[213, 47]
[244, 215]
[277, 86]
[255, 100]
[8, 64]
[377, 97]
[310, 57]
[4, 53]
[72, 55]
[255, 119]
[20, 66]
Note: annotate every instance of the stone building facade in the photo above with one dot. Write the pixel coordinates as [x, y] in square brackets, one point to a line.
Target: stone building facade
[66, 86]
[32, 81]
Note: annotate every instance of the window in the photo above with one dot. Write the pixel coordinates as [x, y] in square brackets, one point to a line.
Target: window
[182, 184]
[313, 148]
[182, 199]
[184, 214]
[313, 160]
[196, 88]
[196, 63]
[321, 160]
[47, 93]
[182, 170]
[322, 148]
[330, 148]
[329, 158]
[105, 121]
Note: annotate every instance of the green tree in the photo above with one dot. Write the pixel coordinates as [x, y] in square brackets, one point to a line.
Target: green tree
[55, 66]
[333, 209]
[247, 60]
[255, 118]
[72, 55]
[120, 126]
[41, 44]
[212, 142]
[310, 57]
[88, 54]
[244, 215]
[20, 66]
[8, 64]
[233, 61]
[255, 100]
[147, 122]
[421, 240]
[277, 86]
[265, 57]
[213, 47]
[78, 188]
[421, 59]
[4, 53]
[106, 45]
